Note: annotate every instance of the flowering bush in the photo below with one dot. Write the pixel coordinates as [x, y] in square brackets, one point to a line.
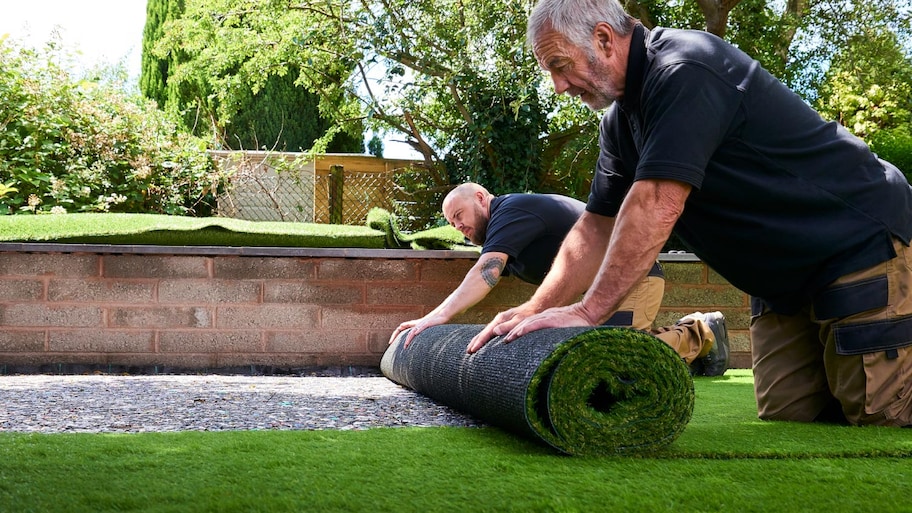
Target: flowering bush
[71, 145]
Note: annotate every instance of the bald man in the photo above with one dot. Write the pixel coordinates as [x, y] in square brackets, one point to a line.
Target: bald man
[520, 234]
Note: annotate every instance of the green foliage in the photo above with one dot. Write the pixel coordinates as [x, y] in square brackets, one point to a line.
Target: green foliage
[456, 79]
[502, 147]
[7, 189]
[895, 146]
[836, 32]
[153, 78]
[867, 87]
[223, 88]
[83, 146]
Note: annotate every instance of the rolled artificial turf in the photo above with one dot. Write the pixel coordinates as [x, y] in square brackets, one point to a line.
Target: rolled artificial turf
[584, 391]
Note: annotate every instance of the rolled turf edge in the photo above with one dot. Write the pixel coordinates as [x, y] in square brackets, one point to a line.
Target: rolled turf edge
[584, 391]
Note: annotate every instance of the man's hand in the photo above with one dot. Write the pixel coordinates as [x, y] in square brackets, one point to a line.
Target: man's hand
[523, 319]
[502, 323]
[559, 317]
[417, 325]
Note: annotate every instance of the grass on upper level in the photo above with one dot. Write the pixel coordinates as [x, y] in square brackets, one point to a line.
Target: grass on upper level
[155, 229]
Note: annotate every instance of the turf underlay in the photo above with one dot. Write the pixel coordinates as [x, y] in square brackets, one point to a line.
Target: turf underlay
[154, 229]
[725, 460]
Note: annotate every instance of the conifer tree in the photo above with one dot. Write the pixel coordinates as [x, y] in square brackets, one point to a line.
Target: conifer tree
[280, 115]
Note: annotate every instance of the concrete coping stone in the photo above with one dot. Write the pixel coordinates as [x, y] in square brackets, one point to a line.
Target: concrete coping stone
[140, 249]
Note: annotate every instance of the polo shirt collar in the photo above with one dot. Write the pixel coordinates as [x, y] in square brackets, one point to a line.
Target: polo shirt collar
[636, 63]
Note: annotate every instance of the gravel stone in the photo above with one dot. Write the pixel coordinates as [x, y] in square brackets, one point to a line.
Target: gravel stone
[137, 404]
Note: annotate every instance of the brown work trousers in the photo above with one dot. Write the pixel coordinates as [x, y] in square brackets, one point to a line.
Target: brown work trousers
[845, 357]
[691, 338]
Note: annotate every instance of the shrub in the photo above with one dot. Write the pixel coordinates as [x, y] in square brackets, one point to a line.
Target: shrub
[88, 146]
[895, 146]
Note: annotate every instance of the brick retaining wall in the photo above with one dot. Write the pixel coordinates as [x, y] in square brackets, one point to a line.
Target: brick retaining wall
[70, 308]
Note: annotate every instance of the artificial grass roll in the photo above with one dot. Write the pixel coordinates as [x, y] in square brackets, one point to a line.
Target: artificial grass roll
[584, 391]
[441, 237]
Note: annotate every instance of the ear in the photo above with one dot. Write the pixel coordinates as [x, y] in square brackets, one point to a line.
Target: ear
[603, 38]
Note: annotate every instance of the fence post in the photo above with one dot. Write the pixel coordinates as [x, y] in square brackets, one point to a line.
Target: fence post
[336, 185]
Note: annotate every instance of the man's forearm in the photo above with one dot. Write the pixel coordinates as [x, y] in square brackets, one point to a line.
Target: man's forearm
[476, 285]
[577, 262]
[644, 223]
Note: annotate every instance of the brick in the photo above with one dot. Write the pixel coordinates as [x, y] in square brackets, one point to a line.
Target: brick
[305, 292]
[210, 341]
[21, 341]
[208, 291]
[160, 317]
[155, 266]
[95, 341]
[36, 314]
[151, 362]
[408, 294]
[263, 268]
[446, 270]
[477, 315]
[23, 359]
[684, 272]
[97, 290]
[270, 316]
[361, 318]
[137, 363]
[21, 290]
[318, 311]
[355, 360]
[317, 341]
[374, 269]
[45, 264]
[509, 292]
[739, 342]
[702, 298]
[378, 341]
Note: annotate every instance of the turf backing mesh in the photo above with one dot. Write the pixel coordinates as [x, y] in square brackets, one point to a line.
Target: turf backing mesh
[584, 391]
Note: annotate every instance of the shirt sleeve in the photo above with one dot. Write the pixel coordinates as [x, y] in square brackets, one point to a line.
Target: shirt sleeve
[688, 109]
[512, 230]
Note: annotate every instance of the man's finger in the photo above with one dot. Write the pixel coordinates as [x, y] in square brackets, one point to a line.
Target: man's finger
[479, 340]
[395, 335]
[410, 336]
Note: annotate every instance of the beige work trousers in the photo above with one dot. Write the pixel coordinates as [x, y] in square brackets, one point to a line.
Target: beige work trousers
[833, 359]
[691, 338]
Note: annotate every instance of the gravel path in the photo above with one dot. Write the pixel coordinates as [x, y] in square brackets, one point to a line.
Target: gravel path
[133, 404]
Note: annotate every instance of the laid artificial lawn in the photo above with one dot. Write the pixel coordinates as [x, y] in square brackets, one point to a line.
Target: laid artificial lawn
[155, 229]
[725, 460]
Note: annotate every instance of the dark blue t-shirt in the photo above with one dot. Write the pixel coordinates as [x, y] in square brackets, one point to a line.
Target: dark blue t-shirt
[529, 228]
[783, 202]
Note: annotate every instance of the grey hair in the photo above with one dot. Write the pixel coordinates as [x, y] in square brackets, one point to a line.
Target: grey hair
[576, 19]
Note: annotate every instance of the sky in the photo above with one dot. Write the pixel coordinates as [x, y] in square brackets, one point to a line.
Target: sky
[103, 32]
[100, 32]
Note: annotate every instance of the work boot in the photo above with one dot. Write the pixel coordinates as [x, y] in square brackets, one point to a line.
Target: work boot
[715, 363]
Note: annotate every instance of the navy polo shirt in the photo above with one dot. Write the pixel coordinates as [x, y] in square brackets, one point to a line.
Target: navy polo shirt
[783, 202]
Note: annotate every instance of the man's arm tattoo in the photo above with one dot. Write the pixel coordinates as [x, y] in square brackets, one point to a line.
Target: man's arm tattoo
[491, 269]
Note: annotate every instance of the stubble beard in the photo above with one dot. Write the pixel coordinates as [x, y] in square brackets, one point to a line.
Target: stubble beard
[600, 95]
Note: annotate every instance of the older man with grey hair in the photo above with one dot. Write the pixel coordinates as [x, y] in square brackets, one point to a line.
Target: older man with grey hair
[794, 210]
